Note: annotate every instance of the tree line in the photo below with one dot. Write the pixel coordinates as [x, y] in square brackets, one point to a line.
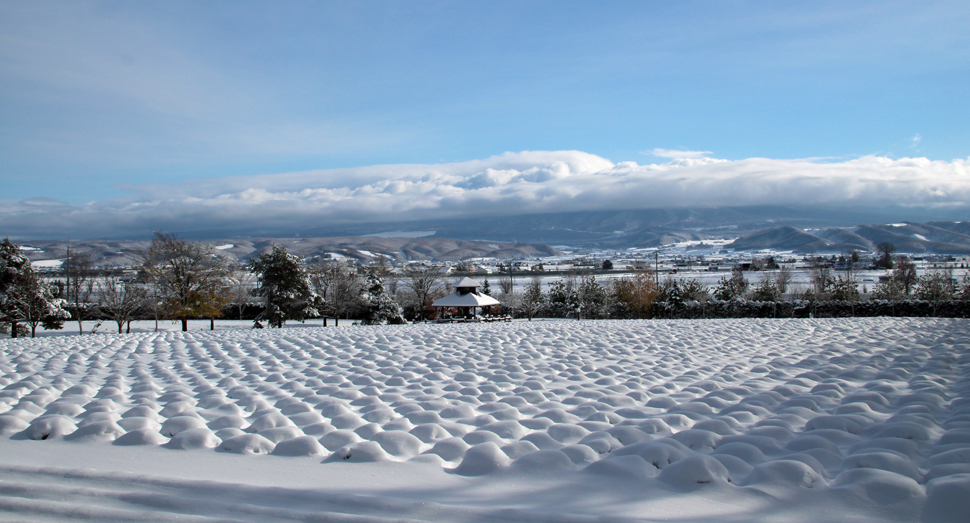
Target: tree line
[829, 292]
[177, 280]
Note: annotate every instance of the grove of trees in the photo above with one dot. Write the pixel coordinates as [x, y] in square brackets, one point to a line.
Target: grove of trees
[178, 280]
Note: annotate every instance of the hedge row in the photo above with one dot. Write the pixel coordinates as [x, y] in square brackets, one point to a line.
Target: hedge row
[787, 309]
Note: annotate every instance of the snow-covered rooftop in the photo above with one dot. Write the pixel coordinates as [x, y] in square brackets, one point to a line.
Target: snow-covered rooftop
[470, 299]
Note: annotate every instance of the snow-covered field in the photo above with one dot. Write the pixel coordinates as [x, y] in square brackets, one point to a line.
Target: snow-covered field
[726, 420]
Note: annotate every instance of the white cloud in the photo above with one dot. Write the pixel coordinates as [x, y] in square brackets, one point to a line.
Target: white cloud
[511, 183]
[678, 154]
[915, 142]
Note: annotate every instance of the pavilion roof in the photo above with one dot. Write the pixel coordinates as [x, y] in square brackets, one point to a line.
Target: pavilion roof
[466, 282]
[470, 299]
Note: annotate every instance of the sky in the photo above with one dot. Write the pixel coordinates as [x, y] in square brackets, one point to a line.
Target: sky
[118, 118]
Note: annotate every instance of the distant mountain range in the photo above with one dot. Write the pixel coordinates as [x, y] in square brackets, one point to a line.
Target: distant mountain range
[802, 230]
[931, 238]
[361, 248]
[621, 229]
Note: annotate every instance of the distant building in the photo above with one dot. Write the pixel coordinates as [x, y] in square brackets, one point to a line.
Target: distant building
[466, 299]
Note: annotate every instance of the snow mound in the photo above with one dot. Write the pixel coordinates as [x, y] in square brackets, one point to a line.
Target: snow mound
[11, 425]
[299, 446]
[173, 426]
[104, 430]
[694, 472]
[882, 487]
[141, 437]
[544, 462]
[398, 443]
[247, 444]
[785, 473]
[482, 459]
[363, 452]
[49, 427]
[947, 499]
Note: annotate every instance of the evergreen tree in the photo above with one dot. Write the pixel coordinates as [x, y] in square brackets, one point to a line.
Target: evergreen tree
[732, 288]
[885, 259]
[669, 294]
[674, 295]
[693, 290]
[766, 290]
[13, 264]
[532, 298]
[562, 298]
[963, 293]
[285, 286]
[380, 308]
[24, 297]
[591, 298]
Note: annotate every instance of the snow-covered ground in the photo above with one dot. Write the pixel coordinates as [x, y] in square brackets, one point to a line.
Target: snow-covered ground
[714, 420]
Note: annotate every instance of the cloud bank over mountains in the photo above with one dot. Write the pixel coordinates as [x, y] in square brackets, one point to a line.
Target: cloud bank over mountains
[507, 184]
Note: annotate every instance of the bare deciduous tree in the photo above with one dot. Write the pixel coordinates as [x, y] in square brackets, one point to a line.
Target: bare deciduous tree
[904, 272]
[638, 292]
[936, 286]
[462, 268]
[783, 278]
[186, 277]
[505, 284]
[79, 286]
[339, 286]
[424, 282]
[120, 298]
[381, 266]
[821, 276]
[239, 291]
[506, 281]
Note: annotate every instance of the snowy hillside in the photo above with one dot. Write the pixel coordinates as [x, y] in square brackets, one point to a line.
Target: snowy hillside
[736, 420]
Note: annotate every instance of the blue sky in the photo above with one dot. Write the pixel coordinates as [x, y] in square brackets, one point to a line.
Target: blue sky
[113, 104]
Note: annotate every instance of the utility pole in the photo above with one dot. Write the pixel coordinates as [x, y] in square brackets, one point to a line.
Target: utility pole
[511, 277]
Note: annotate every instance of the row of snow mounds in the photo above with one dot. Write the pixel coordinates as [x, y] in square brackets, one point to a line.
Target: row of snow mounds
[873, 409]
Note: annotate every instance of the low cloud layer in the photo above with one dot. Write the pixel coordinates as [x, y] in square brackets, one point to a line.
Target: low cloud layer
[511, 183]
